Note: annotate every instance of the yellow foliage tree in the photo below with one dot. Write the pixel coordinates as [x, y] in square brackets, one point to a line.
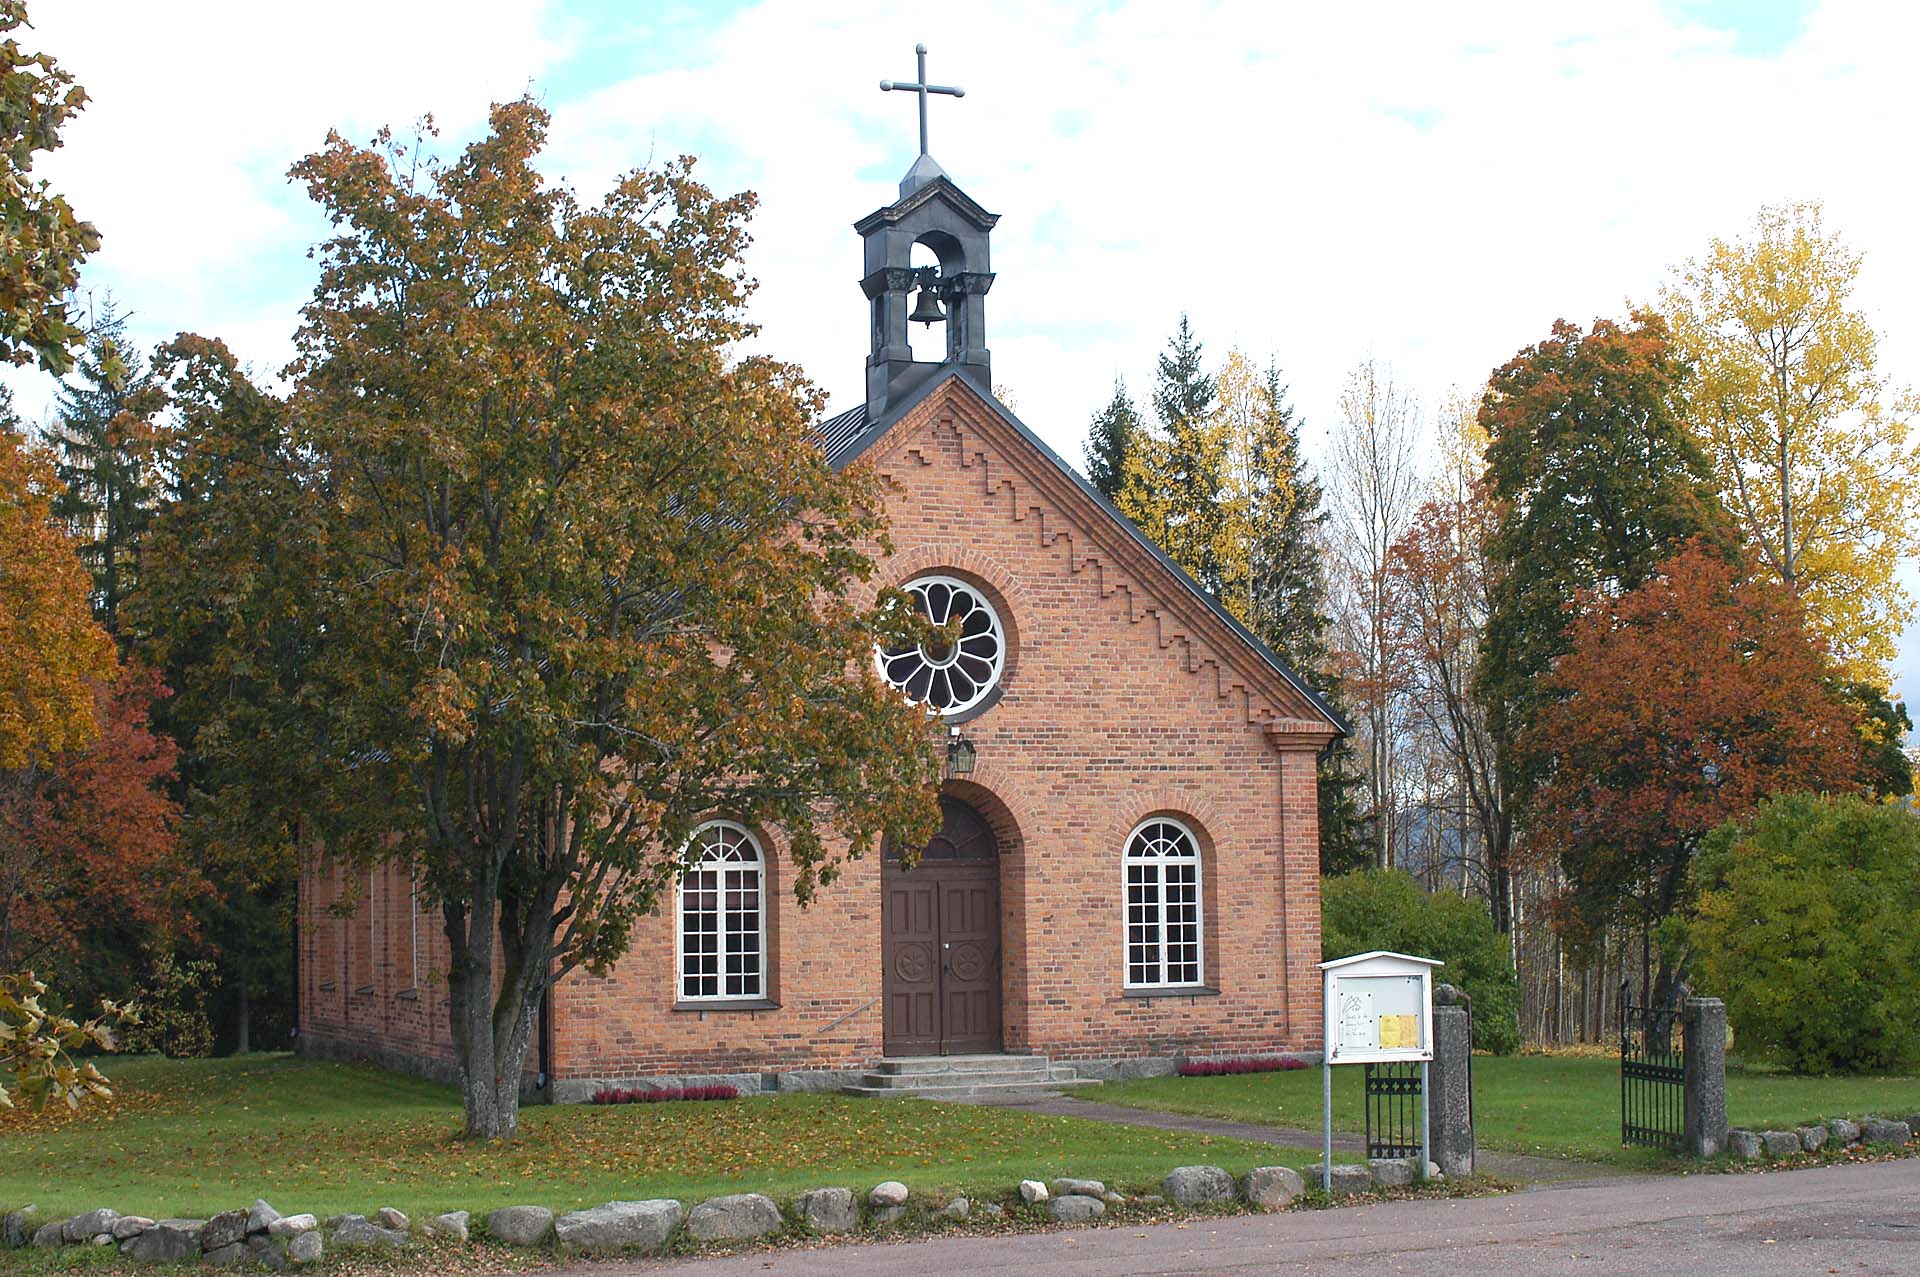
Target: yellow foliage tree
[52, 652]
[1809, 442]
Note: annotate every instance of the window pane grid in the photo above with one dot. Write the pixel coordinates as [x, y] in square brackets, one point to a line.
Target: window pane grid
[722, 926]
[1163, 923]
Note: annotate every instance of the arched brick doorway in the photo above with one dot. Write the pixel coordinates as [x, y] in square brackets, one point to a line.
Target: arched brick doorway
[940, 941]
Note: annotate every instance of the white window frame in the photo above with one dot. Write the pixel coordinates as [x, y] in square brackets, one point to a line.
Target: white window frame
[1159, 924]
[997, 663]
[720, 865]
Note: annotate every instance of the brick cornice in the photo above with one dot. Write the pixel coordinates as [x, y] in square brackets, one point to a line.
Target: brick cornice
[1118, 563]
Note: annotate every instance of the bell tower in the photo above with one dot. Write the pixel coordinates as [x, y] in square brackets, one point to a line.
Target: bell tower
[932, 211]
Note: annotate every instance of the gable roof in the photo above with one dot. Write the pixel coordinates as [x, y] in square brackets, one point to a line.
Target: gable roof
[845, 436]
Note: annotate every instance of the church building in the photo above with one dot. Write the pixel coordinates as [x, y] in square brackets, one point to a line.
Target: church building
[1128, 869]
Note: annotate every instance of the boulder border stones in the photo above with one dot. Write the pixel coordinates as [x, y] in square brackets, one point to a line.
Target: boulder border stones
[733, 1217]
[21, 1225]
[1391, 1172]
[1197, 1185]
[168, 1241]
[128, 1227]
[388, 1217]
[615, 1226]
[1744, 1144]
[88, 1225]
[305, 1247]
[1884, 1130]
[887, 1193]
[1780, 1143]
[1844, 1131]
[1273, 1187]
[1812, 1138]
[358, 1230]
[827, 1210]
[1033, 1192]
[1347, 1177]
[958, 1208]
[292, 1226]
[52, 1233]
[1075, 1208]
[1079, 1188]
[228, 1228]
[260, 1219]
[452, 1225]
[521, 1225]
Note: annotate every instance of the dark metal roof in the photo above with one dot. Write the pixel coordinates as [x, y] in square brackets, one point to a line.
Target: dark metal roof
[845, 436]
[839, 433]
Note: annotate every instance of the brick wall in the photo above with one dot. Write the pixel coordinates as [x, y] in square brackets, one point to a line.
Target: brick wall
[1123, 698]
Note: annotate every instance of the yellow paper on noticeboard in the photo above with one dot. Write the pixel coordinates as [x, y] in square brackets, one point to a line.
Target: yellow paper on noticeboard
[1398, 1032]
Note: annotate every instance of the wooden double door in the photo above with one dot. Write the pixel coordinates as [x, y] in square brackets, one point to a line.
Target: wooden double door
[940, 947]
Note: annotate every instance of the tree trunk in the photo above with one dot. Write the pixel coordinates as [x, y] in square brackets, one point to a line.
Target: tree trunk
[491, 1031]
[243, 1019]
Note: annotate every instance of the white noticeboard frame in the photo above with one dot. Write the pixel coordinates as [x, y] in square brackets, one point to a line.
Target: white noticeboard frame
[1379, 1010]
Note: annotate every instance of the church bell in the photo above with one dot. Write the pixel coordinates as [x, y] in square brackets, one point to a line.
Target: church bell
[926, 307]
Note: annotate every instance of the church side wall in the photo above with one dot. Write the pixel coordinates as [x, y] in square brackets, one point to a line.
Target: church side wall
[373, 985]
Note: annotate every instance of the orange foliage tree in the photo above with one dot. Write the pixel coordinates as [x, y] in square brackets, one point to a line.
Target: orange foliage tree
[1678, 706]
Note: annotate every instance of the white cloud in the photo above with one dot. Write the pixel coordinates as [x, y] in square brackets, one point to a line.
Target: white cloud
[1429, 184]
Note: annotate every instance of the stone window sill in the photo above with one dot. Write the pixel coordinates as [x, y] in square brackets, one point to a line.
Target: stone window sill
[729, 1004]
[327, 986]
[1175, 991]
[364, 991]
[408, 995]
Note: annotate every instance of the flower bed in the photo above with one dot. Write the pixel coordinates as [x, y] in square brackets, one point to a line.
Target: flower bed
[655, 1094]
[1240, 1064]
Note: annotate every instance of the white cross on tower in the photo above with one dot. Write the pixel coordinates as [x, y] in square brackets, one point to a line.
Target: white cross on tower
[923, 88]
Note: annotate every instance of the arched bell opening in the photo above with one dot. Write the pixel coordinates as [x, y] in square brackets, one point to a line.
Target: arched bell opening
[926, 313]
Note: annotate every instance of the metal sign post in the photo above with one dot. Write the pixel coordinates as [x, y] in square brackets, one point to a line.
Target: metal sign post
[1379, 1010]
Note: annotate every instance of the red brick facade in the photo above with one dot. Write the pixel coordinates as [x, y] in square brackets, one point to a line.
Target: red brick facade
[1124, 697]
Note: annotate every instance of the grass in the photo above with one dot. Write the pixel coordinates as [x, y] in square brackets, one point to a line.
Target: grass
[194, 1137]
[1551, 1105]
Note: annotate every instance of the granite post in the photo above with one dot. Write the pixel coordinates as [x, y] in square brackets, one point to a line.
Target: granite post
[1450, 1079]
[1704, 1023]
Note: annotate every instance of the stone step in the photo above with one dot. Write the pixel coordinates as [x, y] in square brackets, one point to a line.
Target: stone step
[970, 1077]
[917, 1065]
[973, 1091]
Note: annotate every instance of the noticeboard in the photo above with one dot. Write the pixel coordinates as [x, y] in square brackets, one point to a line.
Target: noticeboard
[1379, 1008]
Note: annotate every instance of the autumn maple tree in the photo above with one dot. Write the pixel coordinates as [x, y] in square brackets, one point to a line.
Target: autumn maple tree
[576, 575]
[1679, 705]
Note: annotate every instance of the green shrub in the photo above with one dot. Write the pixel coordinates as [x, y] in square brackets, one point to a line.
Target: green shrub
[173, 1011]
[1807, 923]
[1385, 909]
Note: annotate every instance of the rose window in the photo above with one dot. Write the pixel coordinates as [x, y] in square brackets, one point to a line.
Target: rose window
[949, 675]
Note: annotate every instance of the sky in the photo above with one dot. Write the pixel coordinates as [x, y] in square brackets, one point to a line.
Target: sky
[1426, 185]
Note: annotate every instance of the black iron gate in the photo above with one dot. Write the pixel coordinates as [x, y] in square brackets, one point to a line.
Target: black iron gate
[1652, 1073]
[1393, 1110]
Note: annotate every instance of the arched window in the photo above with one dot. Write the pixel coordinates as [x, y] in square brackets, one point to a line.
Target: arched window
[723, 933]
[1163, 905]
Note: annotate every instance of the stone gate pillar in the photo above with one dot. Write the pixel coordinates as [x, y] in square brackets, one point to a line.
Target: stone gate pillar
[1450, 1106]
[1704, 1028]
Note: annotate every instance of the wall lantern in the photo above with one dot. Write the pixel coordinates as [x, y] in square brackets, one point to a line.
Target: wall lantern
[960, 753]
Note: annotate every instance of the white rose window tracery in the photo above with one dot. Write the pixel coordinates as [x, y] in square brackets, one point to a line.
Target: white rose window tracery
[952, 676]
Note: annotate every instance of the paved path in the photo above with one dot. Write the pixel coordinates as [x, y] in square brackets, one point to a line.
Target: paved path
[1858, 1220]
[1523, 1169]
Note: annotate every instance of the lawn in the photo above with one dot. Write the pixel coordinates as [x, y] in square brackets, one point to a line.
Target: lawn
[1554, 1105]
[194, 1137]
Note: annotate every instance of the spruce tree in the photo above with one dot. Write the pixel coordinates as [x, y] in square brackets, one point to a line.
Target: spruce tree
[1111, 436]
[97, 435]
[1177, 475]
[1289, 602]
